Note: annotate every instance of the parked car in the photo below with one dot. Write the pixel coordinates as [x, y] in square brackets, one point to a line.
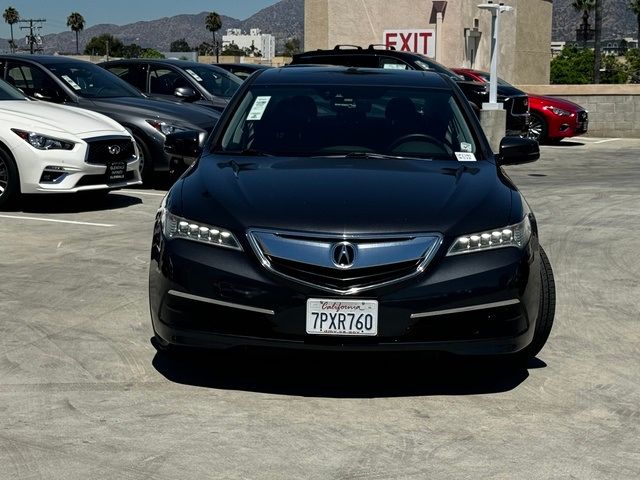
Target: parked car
[177, 80]
[47, 148]
[350, 209]
[515, 101]
[82, 84]
[552, 119]
[241, 70]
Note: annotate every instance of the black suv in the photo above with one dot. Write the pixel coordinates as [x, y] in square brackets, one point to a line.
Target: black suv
[516, 102]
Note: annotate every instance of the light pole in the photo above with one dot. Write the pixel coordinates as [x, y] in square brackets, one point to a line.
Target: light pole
[496, 10]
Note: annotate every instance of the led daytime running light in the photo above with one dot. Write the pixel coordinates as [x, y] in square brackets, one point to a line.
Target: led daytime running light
[178, 227]
[517, 235]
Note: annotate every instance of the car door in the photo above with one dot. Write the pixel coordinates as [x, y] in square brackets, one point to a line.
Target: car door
[34, 82]
[164, 80]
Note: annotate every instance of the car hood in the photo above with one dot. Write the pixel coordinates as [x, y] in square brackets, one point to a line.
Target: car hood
[151, 109]
[346, 195]
[556, 102]
[35, 115]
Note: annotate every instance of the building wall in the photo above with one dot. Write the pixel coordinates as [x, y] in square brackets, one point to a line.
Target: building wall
[266, 43]
[525, 32]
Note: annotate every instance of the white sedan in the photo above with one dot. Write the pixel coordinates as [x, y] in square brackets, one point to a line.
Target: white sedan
[47, 148]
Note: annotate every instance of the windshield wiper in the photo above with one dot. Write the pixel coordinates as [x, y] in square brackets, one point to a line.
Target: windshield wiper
[367, 155]
[247, 152]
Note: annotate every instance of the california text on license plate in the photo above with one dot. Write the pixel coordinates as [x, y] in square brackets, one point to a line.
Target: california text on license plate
[342, 317]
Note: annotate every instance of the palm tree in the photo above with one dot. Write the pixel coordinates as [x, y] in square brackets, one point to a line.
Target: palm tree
[11, 16]
[634, 5]
[584, 6]
[596, 44]
[213, 24]
[76, 22]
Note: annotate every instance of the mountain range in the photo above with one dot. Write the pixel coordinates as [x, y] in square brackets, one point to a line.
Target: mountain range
[285, 20]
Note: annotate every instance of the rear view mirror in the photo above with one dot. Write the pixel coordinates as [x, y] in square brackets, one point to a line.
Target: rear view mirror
[517, 150]
[184, 144]
[187, 94]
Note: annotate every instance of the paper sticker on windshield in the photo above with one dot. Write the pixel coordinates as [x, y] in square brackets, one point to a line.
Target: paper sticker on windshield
[465, 157]
[194, 75]
[73, 84]
[259, 106]
[466, 147]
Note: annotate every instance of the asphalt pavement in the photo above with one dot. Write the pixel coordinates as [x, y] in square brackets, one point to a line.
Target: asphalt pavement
[83, 394]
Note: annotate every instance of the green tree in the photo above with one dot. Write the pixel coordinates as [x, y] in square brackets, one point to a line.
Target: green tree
[584, 6]
[103, 44]
[205, 48]
[150, 53]
[633, 64]
[76, 22]
[572, 66]
[614, 71]
[291, 47]
[233, 50]
[634, 5]
[213, 22]
[11, 16]
[180, 45]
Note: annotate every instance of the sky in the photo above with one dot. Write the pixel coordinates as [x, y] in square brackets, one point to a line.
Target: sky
[121, 12]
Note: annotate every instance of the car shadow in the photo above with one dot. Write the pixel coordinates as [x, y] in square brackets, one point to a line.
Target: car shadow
[74, 203]
[341, 375]
[565, 143]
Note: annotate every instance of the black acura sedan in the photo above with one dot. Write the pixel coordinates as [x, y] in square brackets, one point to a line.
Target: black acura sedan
[350, 209]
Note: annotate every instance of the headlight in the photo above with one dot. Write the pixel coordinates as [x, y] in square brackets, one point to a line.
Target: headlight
[42, 142]
[166, 128]
[517, 235]
[560, 112]
[178, 227]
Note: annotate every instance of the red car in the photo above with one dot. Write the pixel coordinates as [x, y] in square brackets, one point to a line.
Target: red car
[552, 119]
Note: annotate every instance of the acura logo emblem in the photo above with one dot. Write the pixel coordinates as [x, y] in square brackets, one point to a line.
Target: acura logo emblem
[114, 149]
[343, 254]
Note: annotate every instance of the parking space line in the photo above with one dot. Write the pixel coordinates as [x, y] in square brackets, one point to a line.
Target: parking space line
[606, 140]
[153, 194]
[53, 220]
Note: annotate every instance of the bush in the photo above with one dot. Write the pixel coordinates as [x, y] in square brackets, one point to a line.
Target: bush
[572, 66]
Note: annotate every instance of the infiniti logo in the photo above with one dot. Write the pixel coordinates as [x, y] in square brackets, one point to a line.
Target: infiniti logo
[114, 149]
[343, 254]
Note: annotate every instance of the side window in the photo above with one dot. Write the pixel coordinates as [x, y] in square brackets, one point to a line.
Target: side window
[393, 64]
[34, 82]
[163, 81]
[134, 75]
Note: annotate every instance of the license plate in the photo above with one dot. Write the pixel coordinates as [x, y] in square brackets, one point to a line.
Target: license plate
[116, 171]
[342, 317]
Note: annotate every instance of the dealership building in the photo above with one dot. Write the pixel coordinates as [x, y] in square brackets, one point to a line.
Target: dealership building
[455, 32]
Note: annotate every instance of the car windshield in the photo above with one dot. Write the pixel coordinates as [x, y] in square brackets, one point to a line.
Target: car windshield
[214, 80]
[9, 92]
[428, 64]
[90, 81]
[355, 121]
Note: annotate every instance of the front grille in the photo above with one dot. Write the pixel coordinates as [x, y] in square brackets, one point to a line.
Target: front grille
[519, 105]
[583, 116]
[99, 150]
[376, 260]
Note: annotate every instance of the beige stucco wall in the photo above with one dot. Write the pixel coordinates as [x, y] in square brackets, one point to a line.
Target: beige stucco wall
[525, 32]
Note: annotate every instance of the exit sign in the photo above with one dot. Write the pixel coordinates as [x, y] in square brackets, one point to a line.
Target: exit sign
[417, 41]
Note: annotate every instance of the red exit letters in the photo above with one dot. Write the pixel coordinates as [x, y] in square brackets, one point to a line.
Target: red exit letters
[417, 41]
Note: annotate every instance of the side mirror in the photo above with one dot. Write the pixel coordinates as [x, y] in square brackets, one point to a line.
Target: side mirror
[187, 94]
[45, 94]
[187, 145]
[517, 150]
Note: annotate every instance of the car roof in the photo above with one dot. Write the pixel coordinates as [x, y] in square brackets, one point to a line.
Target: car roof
[355, 50]
[160, 61]
[248, 66]
[43, 59]
[331, 75]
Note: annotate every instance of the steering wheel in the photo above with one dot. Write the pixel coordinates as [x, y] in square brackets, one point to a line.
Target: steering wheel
[419, 137]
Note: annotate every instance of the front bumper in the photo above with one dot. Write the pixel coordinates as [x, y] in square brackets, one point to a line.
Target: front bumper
[481, 303]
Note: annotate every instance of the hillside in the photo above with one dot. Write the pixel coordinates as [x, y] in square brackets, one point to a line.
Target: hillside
[285, 19]
[618, 21]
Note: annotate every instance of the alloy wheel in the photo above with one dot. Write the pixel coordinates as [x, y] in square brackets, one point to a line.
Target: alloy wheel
[535, 128]
[4, 176]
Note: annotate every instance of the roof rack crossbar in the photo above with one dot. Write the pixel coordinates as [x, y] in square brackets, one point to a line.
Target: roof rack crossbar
[347, 47]
[382, 45]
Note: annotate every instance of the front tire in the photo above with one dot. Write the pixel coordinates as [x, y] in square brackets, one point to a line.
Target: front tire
[538, 128]
[146, 162]
[9, 179]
